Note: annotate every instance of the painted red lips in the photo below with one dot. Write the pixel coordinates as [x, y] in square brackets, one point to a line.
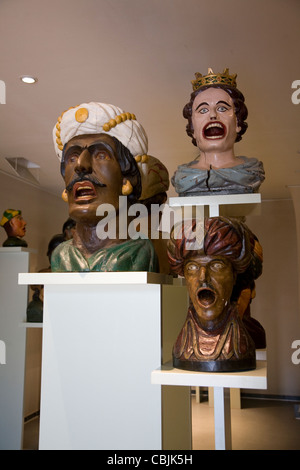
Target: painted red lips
[84, 191]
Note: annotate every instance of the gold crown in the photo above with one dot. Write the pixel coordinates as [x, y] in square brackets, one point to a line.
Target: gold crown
[214, 78]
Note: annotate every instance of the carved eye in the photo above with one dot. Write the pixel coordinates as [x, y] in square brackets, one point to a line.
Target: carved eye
[222, 109]
[191, 267]
[73, 157]
[217, 266]
[101, 155]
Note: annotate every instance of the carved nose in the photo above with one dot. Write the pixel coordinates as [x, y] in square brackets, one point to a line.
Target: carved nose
[213, 115]
[202, 274]
[84, 162]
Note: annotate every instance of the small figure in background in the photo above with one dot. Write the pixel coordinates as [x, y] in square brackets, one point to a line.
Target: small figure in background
[34, 312]
[68, 229]
[15, 227]
[245, 293]
[54, 242]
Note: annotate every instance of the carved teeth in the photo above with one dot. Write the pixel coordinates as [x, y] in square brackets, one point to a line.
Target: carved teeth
[84, 188]
[84, 191]
[214, 124]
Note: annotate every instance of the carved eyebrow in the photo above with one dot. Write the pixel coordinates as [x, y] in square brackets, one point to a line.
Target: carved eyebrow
[224, 102]
[201, 104]
[76, 146]
[71, 149]
[219, 102]
[102, 145]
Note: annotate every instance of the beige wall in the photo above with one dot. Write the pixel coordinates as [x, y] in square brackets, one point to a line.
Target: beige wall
[295, 193]
[45, 215]
[43, 212]
[276, 304]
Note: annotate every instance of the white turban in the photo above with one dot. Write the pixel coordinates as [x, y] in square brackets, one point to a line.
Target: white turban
[97, 118]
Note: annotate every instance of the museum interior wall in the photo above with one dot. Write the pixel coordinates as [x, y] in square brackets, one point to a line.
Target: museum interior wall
[45, 215]
[276, 305]
[295, 193]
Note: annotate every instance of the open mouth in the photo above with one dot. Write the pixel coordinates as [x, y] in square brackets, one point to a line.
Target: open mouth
[214, 130]
[84, 191]
[206, 297]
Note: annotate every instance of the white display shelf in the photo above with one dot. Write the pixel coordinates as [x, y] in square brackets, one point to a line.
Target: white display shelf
[219, 200]
[254, 379]
[221, 383]
[16, 249]
[214, 202]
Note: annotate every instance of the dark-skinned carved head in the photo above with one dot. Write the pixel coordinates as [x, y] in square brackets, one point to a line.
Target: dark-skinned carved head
[96, 144]
[211, 270]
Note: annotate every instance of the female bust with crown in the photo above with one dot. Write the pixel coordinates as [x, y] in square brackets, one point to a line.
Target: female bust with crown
[216, 115]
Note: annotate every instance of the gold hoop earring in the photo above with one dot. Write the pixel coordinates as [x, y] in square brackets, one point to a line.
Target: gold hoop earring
[127, 188]
[64, 195]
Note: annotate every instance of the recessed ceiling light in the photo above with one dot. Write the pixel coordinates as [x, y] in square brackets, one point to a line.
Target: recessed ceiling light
[28, 79]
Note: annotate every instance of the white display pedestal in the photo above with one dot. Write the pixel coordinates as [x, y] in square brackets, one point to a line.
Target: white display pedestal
[221, 384]
[14, 300]
[102, 337]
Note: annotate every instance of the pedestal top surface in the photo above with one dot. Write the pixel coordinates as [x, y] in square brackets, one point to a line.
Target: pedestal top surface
[253, 379]
[83, 278]
[220, 199]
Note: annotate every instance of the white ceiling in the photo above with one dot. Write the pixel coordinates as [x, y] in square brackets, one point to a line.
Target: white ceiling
[141, 56]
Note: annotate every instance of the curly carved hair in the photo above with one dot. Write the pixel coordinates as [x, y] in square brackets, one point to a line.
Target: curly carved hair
[222, 236]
